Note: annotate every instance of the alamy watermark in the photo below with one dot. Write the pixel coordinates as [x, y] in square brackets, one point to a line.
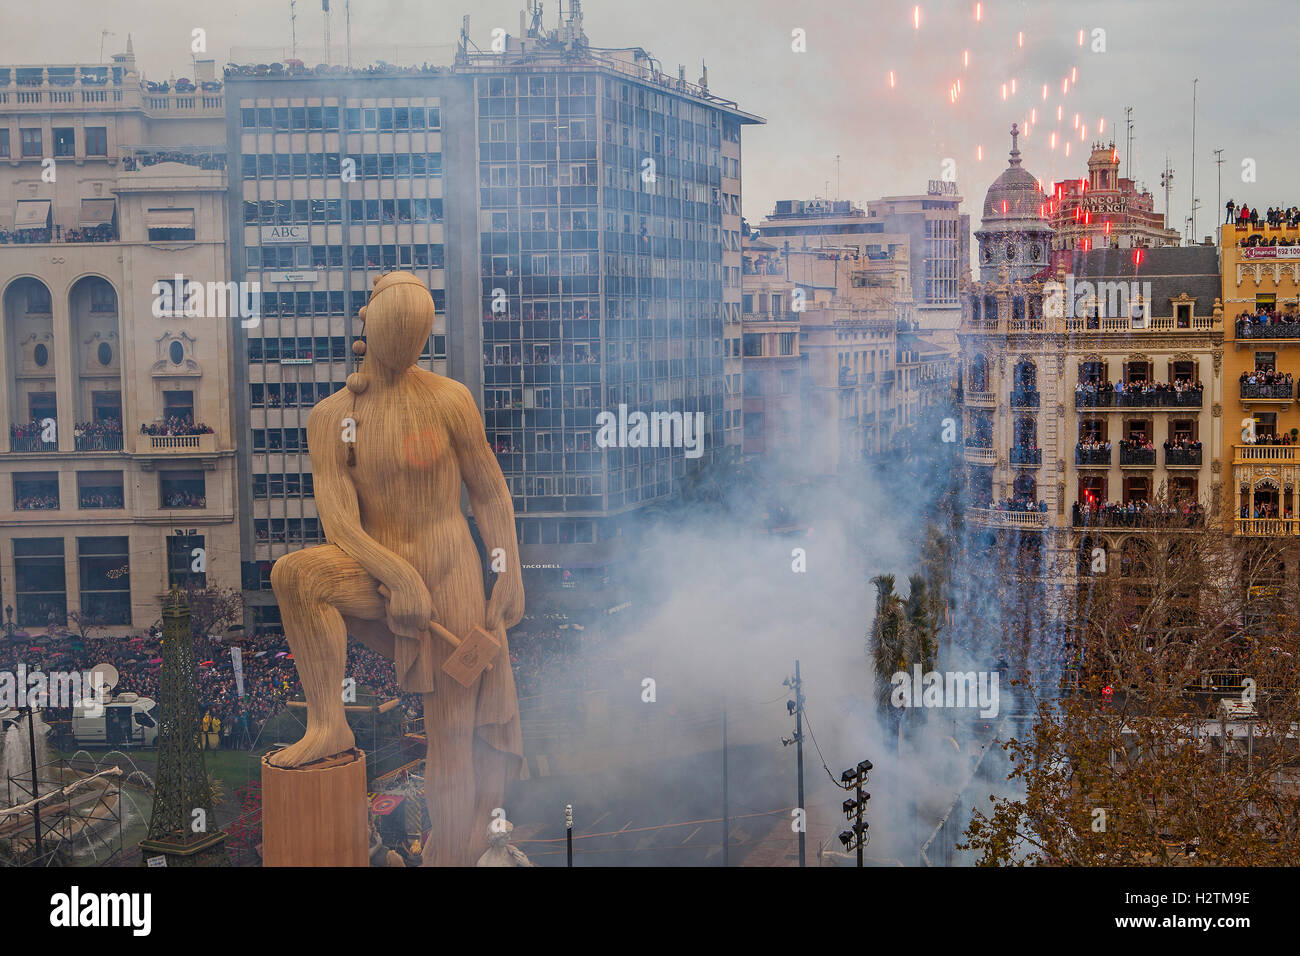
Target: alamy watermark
[653, 430]
[946, 689]
[211, 300]
[36, 688]
[1072, 299]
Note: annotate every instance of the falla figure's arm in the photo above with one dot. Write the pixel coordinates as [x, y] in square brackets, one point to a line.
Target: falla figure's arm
[410, 606]
[490, 500]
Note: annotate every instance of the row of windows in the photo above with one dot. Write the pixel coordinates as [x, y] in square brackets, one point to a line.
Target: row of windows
[362, 257]
[280, 212]
[303, 118]
[285, 304]
[319, 348]
[321, 165]
[282, 485]
[32, 142]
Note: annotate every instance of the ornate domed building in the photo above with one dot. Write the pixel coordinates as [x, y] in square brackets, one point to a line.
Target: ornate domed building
[1016, 232]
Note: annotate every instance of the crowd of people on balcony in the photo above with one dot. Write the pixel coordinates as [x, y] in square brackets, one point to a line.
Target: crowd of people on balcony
[184, 499]
[139, 161]
[1264, 509]
[1265, 322]
[1022, 503]
[36, 502]
[1135, 512]
[107, 498]
[1270, 438]
[39, 237]
[174, 426]
[1182, 443]
[1266, 383]
[503, 446]
[31, 433]
[1275, 216]
[1138, 442]
[1090, 445]
[1138, 393]
[105, 434]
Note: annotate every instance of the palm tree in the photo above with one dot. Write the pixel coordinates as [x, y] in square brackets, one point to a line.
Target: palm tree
[886, 642]
[921, 624]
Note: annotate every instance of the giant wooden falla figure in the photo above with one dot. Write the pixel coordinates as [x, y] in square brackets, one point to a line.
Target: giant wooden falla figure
[401, 573]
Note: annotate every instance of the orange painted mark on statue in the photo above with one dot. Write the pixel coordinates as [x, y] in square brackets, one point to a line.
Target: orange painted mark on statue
[421, 449]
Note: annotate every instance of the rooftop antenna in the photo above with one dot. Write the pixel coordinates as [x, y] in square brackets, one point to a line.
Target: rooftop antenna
[325, 11]
[293, 28]
[102, 35]
[1128, 158]
[1192, 233]
[347, 31]
[837, 177]
[1167, 181]
[1218, 161]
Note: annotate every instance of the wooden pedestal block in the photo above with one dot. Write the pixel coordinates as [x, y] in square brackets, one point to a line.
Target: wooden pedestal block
[316, 815]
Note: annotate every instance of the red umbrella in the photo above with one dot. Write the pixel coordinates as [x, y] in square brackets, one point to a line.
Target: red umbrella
[156, 660]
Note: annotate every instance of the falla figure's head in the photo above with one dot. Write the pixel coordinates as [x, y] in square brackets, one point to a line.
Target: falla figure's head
[398, 320]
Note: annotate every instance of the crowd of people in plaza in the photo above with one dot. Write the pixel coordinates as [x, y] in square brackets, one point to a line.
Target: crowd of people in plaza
[547, 654]
[1275, 216]
[176, 426]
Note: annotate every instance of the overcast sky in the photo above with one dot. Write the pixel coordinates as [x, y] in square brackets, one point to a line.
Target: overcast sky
[835, 98]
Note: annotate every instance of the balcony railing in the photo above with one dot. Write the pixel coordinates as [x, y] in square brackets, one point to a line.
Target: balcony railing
[30, 443]
[996, 518]
[1120, 517]
[107, 442]
[1267, 452]
[1024, 398]
[1268, 390]
[1141, 457]
[1021, 455]
[1188, 398]
[981, 455]
[154, 444]
[1180, 457]
[1272, 330]
[974, 397]
[1267, 527]
[1091, 456]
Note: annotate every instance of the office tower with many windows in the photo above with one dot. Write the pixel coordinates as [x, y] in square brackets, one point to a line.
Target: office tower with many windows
[334, 181]
[576, 215]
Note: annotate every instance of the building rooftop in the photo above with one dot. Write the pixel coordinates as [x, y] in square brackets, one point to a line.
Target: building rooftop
[1171, 270]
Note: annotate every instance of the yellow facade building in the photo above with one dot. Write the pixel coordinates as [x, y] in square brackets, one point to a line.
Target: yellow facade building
[1261, 348]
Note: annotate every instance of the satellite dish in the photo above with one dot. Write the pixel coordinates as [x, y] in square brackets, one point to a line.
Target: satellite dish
[103, 678]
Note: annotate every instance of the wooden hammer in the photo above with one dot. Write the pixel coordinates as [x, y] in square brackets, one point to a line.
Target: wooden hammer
[470, 656]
